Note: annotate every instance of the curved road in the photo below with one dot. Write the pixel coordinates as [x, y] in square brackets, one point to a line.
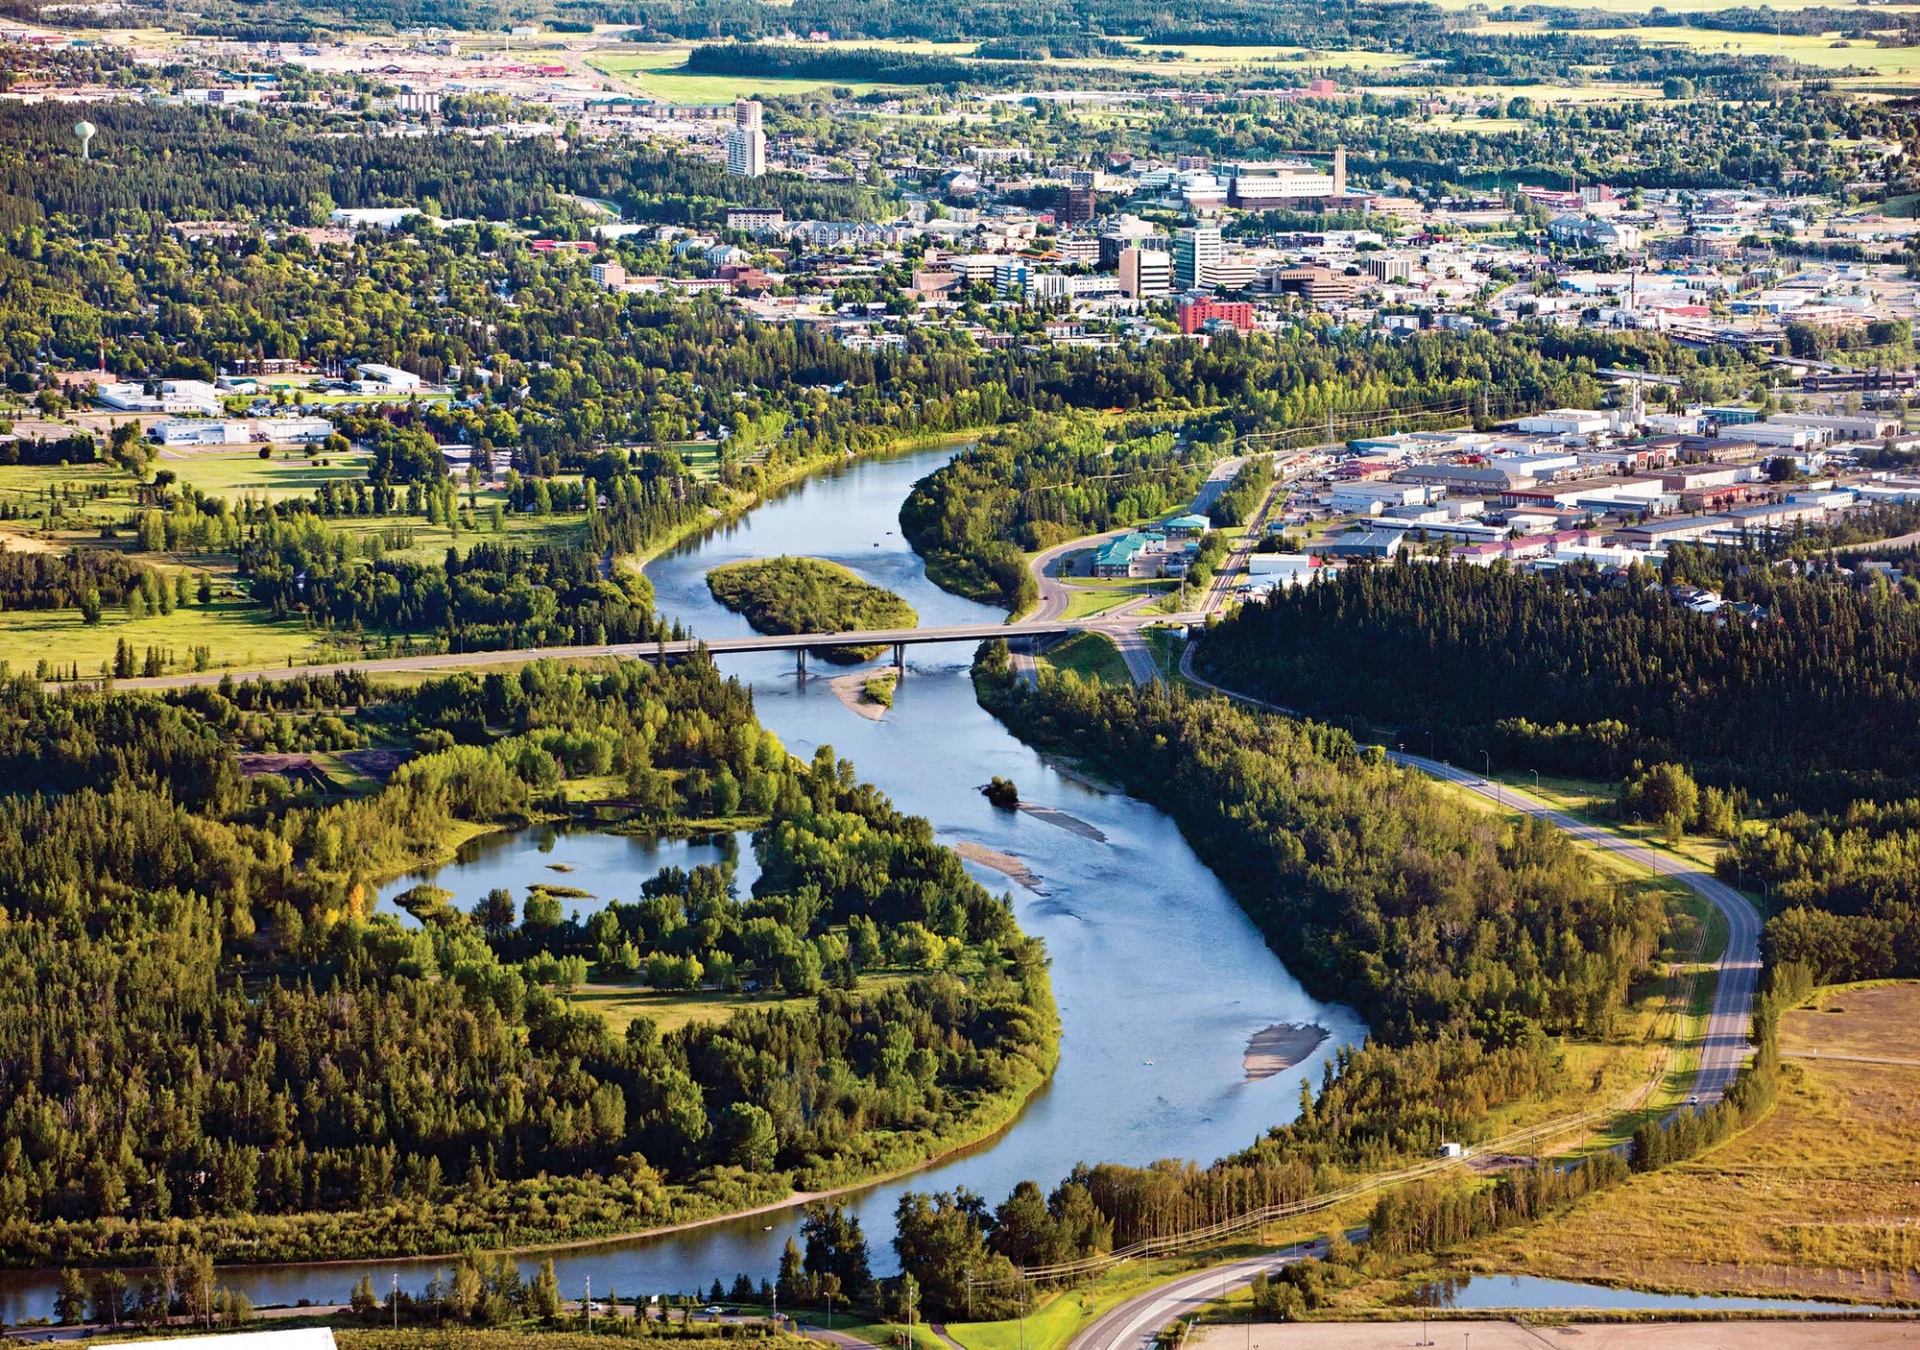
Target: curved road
[1726, 1046]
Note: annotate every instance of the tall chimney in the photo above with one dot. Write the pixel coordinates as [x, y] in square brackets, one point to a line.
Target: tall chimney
[1339, 170]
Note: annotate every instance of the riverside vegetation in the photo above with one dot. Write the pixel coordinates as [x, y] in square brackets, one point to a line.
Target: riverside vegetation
[807, 595]
[214, 1044]
[1571, 675]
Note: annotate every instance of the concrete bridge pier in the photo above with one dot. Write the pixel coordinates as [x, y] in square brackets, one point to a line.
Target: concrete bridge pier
[800, 663]
[900, 658]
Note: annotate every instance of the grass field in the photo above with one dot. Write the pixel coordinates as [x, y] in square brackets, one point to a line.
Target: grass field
[1823, 52]
[1820, 1199]
[619, 1004]
[1091, 656]
[659, 72]
[238, 634]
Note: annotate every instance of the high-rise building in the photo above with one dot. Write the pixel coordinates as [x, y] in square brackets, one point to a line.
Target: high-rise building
[1146, 274]
[1078, 202]
[1196, 251]
[746, 142]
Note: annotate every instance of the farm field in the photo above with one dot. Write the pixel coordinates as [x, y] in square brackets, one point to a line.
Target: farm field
[1821, 1199]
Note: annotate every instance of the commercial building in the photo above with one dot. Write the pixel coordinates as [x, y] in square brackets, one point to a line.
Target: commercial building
[1566, 422]
[1146, 274]
[1319, 285]
[1266, 187]
[609, 274]
[199, 432]
[1197, 251]
[762, 222]
[1198, 314]
[389, 377]
[1078, 202]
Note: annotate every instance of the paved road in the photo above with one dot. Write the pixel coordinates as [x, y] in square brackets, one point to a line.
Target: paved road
[1134, 1324]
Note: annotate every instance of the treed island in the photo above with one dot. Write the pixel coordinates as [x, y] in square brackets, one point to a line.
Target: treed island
[808, 595]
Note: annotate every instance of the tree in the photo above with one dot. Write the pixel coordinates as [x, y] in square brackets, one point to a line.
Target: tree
[543, 1295]
[1676, 88]
[793, 1287]
[70, 1303]
[747, 1137]
[1666, 793]
[836, 1249]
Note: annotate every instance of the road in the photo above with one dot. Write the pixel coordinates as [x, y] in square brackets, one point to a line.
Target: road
[649, 651]
[1134, 1324]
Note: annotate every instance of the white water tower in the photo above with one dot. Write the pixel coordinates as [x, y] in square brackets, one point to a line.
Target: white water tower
[83, 132]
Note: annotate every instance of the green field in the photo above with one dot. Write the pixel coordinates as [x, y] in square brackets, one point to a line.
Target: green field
[619, 1004]
[238, 635]
[659, 72]
[1091, 656]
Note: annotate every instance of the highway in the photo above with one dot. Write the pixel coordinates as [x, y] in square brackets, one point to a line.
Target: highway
[1133, 1324]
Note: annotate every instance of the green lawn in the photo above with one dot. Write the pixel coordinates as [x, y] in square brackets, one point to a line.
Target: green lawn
[1091, 656]
[238, 634]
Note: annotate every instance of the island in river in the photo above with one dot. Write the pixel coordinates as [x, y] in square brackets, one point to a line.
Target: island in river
[806, 595]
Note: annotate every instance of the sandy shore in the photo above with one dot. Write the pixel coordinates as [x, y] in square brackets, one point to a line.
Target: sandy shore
[1004, 863]
[848, 689]
[1071, 824]
[1452, 1333]
[1280, 1046]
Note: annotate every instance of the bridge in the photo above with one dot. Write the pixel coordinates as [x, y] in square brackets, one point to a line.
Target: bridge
[899, 639]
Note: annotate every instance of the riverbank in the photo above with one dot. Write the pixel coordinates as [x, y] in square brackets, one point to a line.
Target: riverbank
[770, 486]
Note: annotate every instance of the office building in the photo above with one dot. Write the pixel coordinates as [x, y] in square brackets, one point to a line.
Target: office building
[1197, 250]
[1078, 203]
[1146, 274]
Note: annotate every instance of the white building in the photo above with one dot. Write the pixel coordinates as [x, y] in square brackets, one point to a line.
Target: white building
[392, 377]
[746, 142]
[168, 396]
[199, 432]
[297, 430]
[1146, 274]
[1566, 422]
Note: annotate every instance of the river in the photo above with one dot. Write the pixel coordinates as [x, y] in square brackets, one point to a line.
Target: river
[1159, 977]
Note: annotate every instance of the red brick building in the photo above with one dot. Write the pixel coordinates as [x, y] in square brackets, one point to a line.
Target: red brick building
[1197, 314]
